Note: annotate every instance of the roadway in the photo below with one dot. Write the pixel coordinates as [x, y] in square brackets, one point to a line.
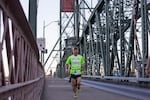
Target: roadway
[60, 89]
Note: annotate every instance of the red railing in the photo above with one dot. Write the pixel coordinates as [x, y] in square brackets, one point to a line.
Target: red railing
[21, 73]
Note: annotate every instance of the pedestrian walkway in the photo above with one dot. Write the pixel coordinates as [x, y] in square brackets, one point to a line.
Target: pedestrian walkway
[59, 89]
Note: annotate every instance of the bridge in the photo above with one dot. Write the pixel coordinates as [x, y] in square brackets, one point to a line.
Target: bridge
[113, 36]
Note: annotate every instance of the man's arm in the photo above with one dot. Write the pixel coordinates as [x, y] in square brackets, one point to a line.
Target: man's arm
[67, 68]
[83, 64]
[68, 62]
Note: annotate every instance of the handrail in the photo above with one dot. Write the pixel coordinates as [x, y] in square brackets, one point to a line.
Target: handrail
[31, 90]
[19, 85]
[14, 11]
[130, 79]
[19, 55]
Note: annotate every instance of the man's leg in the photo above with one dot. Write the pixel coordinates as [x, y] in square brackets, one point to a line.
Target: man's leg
[79, 82]
[74, 85]
[70, 79]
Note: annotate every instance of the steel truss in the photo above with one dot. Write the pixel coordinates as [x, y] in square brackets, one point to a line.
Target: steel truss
[114, 39]
[71, 27]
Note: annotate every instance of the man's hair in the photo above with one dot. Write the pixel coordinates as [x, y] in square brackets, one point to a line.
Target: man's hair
[75, 48]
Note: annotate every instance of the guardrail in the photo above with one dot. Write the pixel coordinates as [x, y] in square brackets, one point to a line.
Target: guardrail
[22, 91]
[115, 78]
[21, 73]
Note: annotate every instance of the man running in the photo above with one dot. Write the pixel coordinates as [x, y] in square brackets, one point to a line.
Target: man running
[76, 63]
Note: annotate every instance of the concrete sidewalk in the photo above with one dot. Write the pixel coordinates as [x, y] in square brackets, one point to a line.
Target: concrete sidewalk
[59, 89]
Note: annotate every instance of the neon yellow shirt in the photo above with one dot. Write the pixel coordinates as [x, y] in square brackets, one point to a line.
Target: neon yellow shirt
[76, 63]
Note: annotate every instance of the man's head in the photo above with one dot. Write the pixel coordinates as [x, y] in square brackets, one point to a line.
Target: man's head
[75, 51]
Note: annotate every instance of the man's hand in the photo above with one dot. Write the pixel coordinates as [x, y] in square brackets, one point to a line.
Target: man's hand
[82, 68]
[67, 71]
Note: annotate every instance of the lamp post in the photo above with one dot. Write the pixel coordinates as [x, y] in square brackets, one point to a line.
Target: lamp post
[44, 27]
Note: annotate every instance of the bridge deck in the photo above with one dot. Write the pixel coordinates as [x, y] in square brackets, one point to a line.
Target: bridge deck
[59, 89]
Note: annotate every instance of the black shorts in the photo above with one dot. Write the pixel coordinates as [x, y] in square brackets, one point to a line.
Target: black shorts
[75, 76]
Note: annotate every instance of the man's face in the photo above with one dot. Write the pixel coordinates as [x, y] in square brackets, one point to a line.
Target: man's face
[75, 51]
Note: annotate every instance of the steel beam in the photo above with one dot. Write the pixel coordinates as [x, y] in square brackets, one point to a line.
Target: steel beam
[107, 30]
[85, 52]
[33, 16]
[102, 46]
[76, 14]
[144, 16]
[91, 48]
[122, 43]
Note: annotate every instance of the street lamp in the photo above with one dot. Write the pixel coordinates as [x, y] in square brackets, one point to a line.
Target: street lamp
[44, 27]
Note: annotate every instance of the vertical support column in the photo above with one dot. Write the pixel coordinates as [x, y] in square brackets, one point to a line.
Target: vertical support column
[99, 32]
[77, 19]
[85, 51]
[97, 53]
[144, 17]
[107, 38]
[83, 14]
[122, 47]
[91, 48]
[89, 57]
[130, 48]
[33, 16]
